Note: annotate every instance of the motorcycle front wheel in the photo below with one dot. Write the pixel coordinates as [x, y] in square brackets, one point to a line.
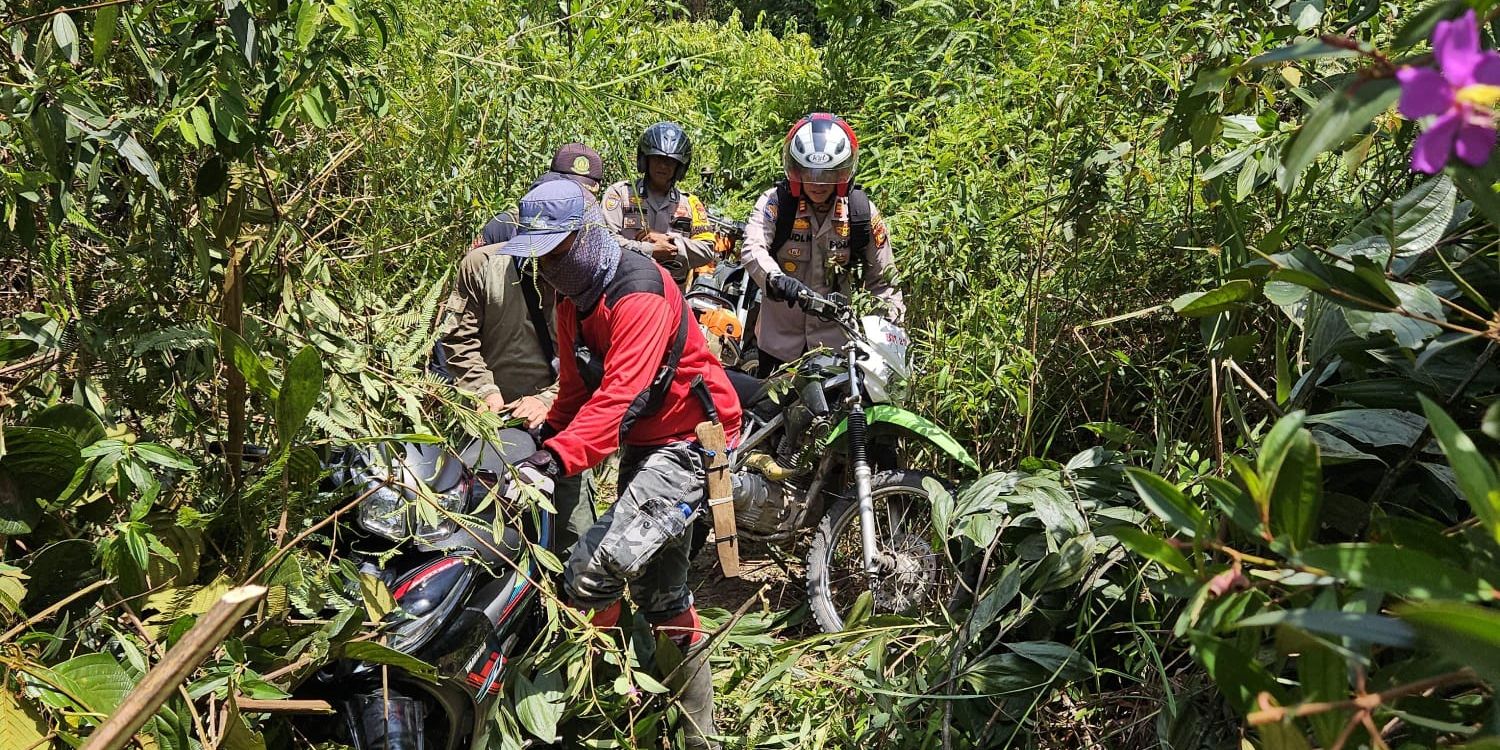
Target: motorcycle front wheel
[916, 577]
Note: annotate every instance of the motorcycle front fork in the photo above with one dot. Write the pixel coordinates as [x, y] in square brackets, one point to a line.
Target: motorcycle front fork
[858, 454]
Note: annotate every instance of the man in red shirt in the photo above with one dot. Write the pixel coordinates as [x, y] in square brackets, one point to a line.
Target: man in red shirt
[634, 373]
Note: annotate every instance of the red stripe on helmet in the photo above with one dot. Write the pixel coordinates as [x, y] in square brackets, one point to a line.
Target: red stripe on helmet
[849, 131]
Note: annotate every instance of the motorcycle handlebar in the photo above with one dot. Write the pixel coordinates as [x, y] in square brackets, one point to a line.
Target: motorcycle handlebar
[834, 308]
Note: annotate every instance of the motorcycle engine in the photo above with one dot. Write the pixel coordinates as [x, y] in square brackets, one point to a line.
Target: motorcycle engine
[763, 506]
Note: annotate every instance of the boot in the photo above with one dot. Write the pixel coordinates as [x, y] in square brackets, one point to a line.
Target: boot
[684, 665]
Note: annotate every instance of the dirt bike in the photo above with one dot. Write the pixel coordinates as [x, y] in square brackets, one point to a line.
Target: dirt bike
[805, 461]
[465, 593]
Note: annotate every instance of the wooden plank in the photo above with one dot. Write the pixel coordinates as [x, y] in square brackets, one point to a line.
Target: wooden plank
[720, 496]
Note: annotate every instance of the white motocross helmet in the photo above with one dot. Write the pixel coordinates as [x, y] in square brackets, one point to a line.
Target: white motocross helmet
[821, 149]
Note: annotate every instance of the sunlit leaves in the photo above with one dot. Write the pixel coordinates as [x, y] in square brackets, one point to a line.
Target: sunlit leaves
[299, 393]
[1466, 634]
[1227, 297]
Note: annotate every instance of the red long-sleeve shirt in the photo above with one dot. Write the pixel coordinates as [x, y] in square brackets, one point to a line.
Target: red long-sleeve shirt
[632, 326]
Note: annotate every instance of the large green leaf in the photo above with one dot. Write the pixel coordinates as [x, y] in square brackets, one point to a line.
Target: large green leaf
[1299, 49]
[1153, 548]
[161, 455]
[917, 425]
[20, 724]
[18, 514]
[1296, 491]
[72, 420]
[243, 358]
[238, 735]
[1466, 634]
[1239, 676]
[98, 680]
[1358, 626]
[996, 596]
[1338, 116]
[1058, 659]
[1478, 185]
[539, 704]
[1474, 471]
[38, 465]
[1238, 506]
[1404, 572]
[1231, 295]
[1419, 218]
[12, 348]
[299, 393]
[377, 654]
[1333, 449]
[1325, 677]
[65, 33]
[1166, 501]
[309, 15]
[12, 589]
[105, 21]
[1411, 326]
[1375, 427]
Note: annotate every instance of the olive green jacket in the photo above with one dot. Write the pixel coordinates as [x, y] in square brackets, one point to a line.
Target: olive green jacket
[492, 346]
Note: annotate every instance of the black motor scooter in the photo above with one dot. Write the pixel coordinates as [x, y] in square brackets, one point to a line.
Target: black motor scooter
[465, 589]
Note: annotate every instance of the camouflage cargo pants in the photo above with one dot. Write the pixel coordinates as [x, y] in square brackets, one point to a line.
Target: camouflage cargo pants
[643, 541]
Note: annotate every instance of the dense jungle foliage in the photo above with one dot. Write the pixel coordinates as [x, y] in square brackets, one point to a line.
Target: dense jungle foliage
[1228, 358]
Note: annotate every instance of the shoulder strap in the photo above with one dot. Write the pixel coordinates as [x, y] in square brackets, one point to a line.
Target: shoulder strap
[529, 292]
[859, 226]
[786, 214]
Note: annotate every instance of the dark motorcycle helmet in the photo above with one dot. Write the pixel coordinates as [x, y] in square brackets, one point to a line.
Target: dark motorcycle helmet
[665, 139]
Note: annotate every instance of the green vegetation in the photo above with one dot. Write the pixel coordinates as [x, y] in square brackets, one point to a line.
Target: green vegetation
[1230, 361]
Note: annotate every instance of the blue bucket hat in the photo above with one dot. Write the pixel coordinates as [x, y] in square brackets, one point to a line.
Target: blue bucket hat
[548, 214]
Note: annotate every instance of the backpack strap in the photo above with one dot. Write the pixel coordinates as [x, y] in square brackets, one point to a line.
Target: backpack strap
[636, 273]
[786, 215]
[651, 400]
[530, 293]
[859, 227]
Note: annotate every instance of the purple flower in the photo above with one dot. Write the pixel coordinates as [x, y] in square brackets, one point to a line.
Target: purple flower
[1462, 96]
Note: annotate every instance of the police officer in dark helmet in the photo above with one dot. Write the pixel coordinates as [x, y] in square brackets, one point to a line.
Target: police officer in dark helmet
[651, 215]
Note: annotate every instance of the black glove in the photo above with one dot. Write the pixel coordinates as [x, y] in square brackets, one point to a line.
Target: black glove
[786, 289]
[544, 461]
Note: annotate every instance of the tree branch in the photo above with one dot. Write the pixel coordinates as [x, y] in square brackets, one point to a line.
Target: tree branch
[1364, 702]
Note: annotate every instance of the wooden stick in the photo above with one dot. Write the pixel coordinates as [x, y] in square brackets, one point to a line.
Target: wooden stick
[143, 700]
[720, 496]
[284, 707]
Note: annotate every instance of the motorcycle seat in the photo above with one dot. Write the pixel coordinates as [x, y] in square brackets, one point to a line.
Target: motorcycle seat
[749, 388]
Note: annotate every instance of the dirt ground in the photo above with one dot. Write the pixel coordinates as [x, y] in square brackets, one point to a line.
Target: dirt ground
[784, 580]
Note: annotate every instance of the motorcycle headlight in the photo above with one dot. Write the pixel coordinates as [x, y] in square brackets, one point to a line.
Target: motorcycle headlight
[432, 524]
[383, 513]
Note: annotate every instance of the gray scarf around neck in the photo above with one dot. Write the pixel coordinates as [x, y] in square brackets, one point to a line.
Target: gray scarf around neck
[590, 265]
